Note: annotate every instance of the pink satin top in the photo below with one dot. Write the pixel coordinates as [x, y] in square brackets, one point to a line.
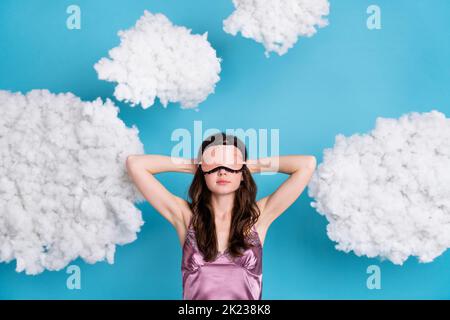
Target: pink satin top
[225, 278]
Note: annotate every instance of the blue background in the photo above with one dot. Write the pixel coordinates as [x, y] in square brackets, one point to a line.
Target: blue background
[338, 81]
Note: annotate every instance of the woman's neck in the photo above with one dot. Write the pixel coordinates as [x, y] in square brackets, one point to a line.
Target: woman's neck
[222, 205]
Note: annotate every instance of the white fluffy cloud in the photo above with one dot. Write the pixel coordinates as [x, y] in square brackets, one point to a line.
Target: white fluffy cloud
[387, 193]
[277, 24]
[64, 189]
[158, 59]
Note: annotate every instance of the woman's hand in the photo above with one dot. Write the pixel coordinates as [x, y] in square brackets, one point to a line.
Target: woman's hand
[256, 165]
[268, 164]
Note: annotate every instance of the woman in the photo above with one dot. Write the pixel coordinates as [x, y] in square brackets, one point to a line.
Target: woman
[222, 229]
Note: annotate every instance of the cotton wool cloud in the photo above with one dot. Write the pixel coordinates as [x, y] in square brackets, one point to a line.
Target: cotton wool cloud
[386, 193]
[157, 59]
[277, 24]
[64, 189]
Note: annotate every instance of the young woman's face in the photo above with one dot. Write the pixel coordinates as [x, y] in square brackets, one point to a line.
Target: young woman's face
[222, 181]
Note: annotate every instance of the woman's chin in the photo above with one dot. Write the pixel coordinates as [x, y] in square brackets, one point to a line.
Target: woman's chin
[223, 190]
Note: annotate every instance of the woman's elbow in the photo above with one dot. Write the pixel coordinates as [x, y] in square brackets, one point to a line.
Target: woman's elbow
[130, 162]
[129, 159]
[312, 163]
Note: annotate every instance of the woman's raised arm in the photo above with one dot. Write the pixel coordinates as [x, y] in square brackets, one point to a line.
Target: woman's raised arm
[299, 167]
[142, 168]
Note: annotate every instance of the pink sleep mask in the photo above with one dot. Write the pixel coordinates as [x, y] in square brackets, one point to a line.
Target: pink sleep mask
[228, 156]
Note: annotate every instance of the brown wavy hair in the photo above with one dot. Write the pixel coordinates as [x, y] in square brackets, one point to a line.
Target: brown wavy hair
[245, 211]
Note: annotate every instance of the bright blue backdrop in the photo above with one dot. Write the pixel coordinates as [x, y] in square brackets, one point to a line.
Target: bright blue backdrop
[338, 81]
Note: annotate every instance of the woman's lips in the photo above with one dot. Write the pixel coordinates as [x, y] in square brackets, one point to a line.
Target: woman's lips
[222, 182]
